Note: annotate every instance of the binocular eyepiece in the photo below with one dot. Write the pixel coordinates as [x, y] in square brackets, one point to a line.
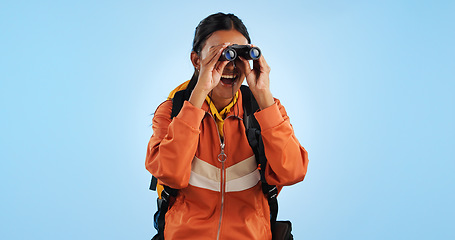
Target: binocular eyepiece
[246, 51]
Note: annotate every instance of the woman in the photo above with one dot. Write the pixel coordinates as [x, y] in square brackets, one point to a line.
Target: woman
[221, 197]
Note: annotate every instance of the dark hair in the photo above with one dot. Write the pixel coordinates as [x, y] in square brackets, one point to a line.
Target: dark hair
[211, 24]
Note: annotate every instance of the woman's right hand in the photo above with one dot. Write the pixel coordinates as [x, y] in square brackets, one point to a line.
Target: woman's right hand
[210, 71]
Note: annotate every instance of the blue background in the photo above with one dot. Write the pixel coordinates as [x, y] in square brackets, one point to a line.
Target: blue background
[369, 87]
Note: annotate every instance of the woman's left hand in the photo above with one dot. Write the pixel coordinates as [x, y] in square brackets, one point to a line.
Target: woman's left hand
[258, 80]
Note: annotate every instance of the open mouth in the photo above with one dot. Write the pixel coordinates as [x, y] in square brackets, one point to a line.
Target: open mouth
[229, 79]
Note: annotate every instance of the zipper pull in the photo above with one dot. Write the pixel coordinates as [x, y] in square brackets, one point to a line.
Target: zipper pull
[222, 156]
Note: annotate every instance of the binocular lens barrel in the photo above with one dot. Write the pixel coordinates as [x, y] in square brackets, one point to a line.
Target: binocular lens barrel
[246, 51]
[230, 54]
[255, 53]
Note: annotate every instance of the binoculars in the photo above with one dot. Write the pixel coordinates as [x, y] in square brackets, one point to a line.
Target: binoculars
[246, 51]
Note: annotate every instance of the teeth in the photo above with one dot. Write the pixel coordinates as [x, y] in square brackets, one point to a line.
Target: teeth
[228, 76]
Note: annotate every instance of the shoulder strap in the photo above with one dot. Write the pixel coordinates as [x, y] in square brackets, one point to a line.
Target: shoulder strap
[253, 133]
[250, 106]
[163, 204]
[178, 100]
[177, 104]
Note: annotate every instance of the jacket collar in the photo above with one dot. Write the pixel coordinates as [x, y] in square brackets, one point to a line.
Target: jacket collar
[236, 109]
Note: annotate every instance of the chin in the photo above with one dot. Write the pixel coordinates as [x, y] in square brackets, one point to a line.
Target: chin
[222, 93]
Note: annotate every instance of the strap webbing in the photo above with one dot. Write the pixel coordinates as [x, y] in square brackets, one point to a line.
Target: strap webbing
[253, 132]
[163, 204]
[153, 183]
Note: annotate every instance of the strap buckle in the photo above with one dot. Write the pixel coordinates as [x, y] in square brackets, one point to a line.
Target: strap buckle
[165, 195]
[272, 193]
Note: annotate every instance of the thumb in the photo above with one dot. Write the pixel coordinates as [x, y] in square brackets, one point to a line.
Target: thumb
[220, 66]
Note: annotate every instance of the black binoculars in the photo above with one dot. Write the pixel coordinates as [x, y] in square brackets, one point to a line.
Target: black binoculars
[246, 51]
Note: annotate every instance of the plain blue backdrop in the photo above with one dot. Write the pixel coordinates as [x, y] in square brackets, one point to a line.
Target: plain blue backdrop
[368, 85]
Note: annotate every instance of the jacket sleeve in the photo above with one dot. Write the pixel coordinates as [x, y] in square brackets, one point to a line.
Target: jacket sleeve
[173, 144]
[287, 160]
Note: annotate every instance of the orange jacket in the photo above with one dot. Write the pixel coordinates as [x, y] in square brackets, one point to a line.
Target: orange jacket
[221, 200]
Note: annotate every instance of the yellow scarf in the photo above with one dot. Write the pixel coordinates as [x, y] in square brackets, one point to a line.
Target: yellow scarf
[219, 116]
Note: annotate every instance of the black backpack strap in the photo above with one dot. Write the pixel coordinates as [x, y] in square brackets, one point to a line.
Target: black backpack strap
[177, 104]
[253, 132]
[178, 100]
[250, 106]
[153, 183]
[253, 129]
[164, 203]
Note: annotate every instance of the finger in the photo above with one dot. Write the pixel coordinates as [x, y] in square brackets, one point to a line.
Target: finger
[264, 65]
[220, 65]
[215, 54]
[211, 54]
[250, 74]
[244, 65]
[214, 50]
[260, 65]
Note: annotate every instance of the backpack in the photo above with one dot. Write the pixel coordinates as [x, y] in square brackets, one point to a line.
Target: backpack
[281, 230]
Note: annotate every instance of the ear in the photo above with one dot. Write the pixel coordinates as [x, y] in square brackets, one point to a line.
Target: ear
[195, 60]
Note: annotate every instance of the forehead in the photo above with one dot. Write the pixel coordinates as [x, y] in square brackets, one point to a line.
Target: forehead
[219, 37]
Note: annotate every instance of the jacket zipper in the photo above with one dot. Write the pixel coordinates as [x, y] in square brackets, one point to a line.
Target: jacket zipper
[222, 158]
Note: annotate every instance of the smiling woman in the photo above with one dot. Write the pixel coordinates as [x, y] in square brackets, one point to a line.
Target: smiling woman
[200, 152]
[211, 69]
